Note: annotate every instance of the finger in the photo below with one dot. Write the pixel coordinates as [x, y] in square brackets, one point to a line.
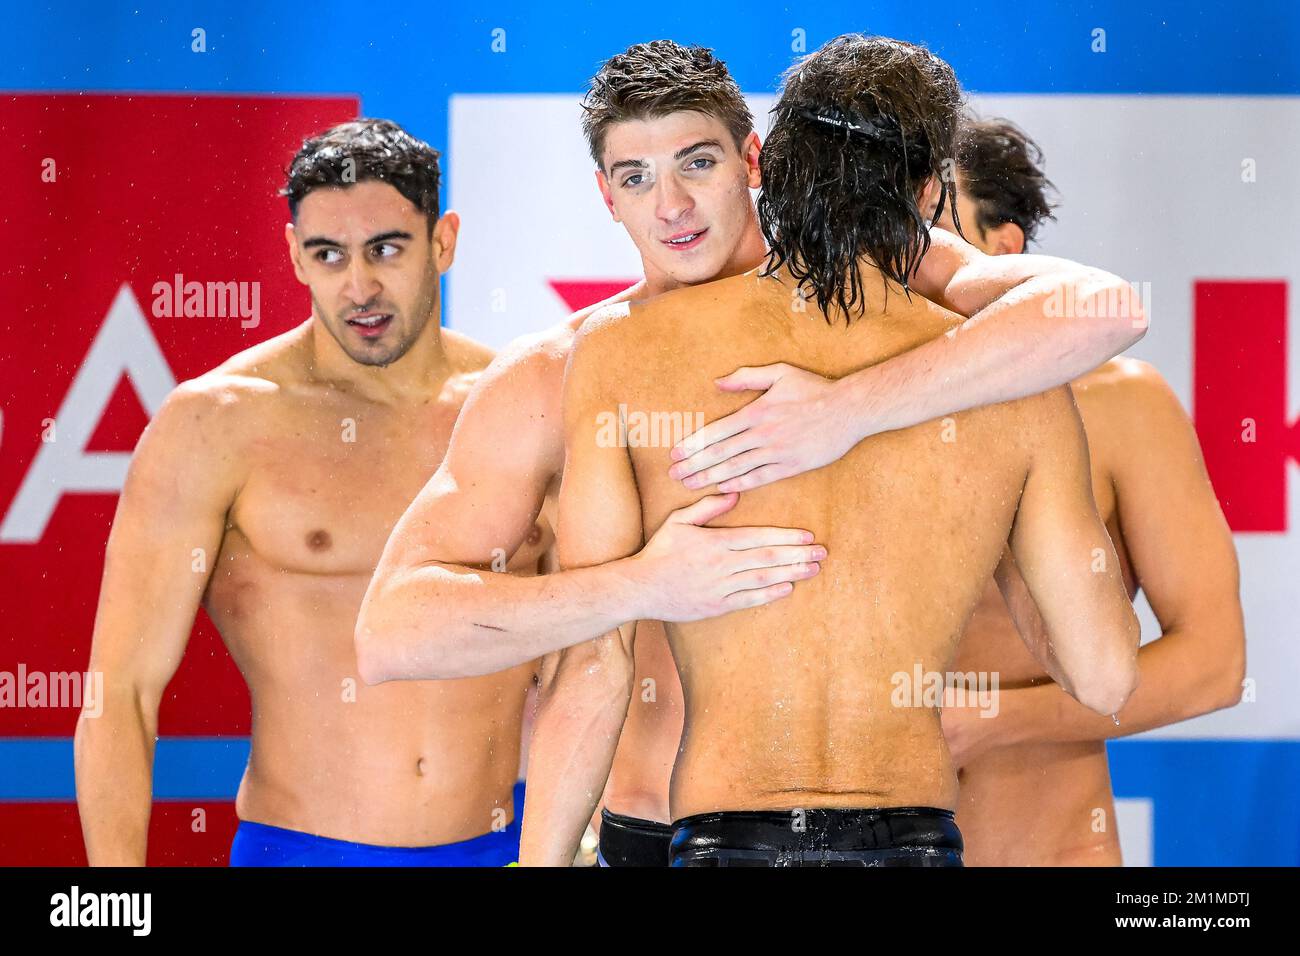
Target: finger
[708, 461]
[755, 479]
[740, 600]
[735, 467]
[742, 539]
[750, 378]
[733, 424]
[718, 451]
[772, 557]
[766, 577]
[704, 510]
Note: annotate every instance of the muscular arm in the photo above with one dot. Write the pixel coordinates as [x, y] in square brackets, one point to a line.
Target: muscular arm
[438, 605]
[165, 539]
[584, 703]
[1183, 558]
[1036, 322]
[435, 609]
[1069, 565]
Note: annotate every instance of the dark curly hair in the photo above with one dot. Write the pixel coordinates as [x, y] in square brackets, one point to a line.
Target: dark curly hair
[378, 149]
[1002, 169]
[860, 127]
[650, 80]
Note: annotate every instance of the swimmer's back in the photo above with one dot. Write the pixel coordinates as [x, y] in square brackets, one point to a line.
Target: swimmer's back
[793, 704]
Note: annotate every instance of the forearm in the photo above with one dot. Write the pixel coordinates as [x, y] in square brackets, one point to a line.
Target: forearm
[572, 749]
[1172, 687]
[114, 773]
[1035, 336]
[438, 621]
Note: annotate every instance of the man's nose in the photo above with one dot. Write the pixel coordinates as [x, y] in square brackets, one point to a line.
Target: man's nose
[361, 285]
[672, 201]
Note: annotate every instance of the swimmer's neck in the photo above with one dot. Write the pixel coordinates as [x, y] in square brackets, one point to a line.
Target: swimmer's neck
[416, 377]
[748, 255]
[657, 283]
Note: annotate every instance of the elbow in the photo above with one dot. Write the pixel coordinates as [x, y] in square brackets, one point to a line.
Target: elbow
[373, 665]
[395, 639]
[1107, 685]
[1230, 679]
[1118, 306]
[375, 638]
[368, 636]
[1108, 693]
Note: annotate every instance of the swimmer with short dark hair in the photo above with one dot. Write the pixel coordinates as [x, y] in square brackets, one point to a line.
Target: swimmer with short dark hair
[1035, 782]
[264, 491]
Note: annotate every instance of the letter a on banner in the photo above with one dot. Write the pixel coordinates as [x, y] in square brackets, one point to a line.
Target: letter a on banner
[124, 345]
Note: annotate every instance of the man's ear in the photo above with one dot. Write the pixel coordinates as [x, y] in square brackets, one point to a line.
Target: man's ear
[929, 200]
[1006, 239]
[750, 150]
[603, 184]
[291, 237]
[445, 232]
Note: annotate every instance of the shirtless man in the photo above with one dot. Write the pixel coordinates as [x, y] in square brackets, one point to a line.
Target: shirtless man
[1035, 784]
[265, 490]
[676, 156]
[795, 750]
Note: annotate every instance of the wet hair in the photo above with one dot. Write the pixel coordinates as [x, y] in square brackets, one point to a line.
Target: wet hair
[860, 127]
[1002, 169]
[652, 80]
[379, 150]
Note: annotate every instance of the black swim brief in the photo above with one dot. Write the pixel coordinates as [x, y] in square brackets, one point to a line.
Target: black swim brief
[631, 841]
[889, 836]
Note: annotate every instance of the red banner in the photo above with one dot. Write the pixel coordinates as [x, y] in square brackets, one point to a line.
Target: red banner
[1240, 358]
[144, 240]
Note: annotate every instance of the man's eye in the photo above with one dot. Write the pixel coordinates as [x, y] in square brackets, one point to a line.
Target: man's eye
[386, 250]
[634, 180]
[694, 164]
[329, 256]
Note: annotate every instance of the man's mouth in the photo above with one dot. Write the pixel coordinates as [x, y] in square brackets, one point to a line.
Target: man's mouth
[686, 240]
[370, 325]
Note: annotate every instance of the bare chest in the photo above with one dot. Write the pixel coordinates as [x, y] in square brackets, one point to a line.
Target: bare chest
[325, 487]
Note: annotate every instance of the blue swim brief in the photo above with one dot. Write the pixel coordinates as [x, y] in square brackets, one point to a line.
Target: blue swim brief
[257, 844]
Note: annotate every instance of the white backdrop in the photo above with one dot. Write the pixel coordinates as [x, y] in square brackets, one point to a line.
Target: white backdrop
[1151, 189]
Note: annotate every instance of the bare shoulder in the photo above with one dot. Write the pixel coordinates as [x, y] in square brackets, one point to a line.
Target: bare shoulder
[466, 359]
[214, 416]
[229, 403]
[201, 435]
[610, 324]
[634, 292]
[464, 353]
[1130, 408]
[670, 315]
[1126, 381]
[529, 371]
[610, 317]
[515, 407]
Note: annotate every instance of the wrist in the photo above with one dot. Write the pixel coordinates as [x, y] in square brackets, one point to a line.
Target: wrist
[855, 401]
[625, 590]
